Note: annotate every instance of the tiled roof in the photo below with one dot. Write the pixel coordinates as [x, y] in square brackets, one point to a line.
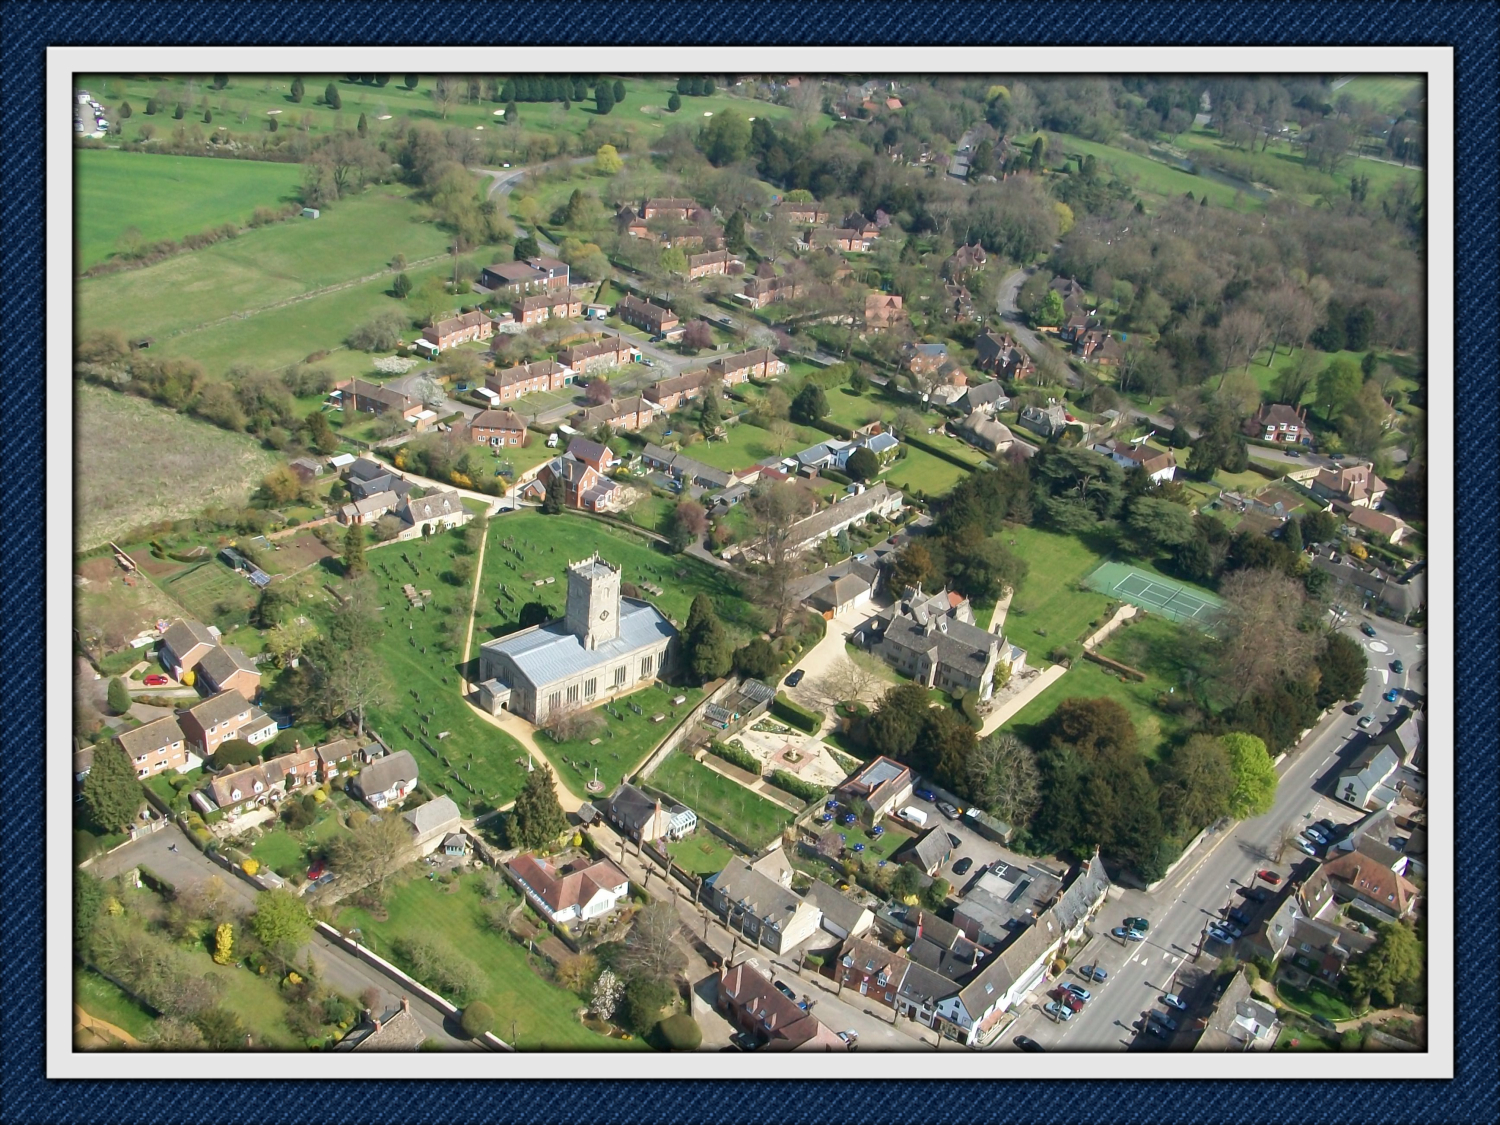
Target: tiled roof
[560, 892]
[152, 736]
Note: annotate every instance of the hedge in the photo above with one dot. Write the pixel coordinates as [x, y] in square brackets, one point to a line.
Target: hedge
[834, 428]
[736, 755]
[800, 717]
[151, 879]
[919, 442]
[680, 1032]
[807, 790]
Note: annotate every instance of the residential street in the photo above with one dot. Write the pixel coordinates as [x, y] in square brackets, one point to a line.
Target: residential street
[1200, 889]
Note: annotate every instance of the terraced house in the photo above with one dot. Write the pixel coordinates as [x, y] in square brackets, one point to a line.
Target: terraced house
[669, 394]
[552, 305]
[645, 315]
[713, 262]
[599, 355]
[372, 398]
[475, 325]
[758, 363]
[629, 414]
[529, 378]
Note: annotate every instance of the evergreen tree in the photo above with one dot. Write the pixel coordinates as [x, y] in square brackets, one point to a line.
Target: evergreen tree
[1038, 153]
[363, 128]
[706, 645]
[618, 91]
[604, 98]
[112, 793]
[320, 435]
[708, 416]
[208, 117]
[674, 103]
[686, 85]
[512, 114]
[118, 696]
[275, 124]
[556, 499]
[124, 111]
[220, 81]
[537, 819]
[297, 89]
[179, 113]
[734, 226]
[411, 81]
[810, 405]
[354, 550]
[150, 107]
[706, 87]
[331, 97]
[1291, 535]
[401, 286]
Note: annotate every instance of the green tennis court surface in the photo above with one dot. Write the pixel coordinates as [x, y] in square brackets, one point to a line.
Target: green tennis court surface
[1154, 593]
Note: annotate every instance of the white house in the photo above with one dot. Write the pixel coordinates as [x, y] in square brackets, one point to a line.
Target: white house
[1160, 464]
[386, 781]
[572, 897]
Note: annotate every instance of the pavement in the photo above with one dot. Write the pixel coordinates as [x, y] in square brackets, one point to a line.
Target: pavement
[1210, 878]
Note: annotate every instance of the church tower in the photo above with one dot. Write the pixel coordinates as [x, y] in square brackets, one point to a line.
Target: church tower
[593, 610]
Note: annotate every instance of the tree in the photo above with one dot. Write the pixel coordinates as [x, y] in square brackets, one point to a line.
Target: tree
[604, 98]
[151, 107]
[354, 550]
[1338, 384]
[863, 465]
[208, 117]
[607, 160]
[123, 111]
[1319, 527]
[774, 512]
[706, 645]
[289, 639]
[1291, 535]
[708, 414]
[674, 103]
[478, 1018]
[179, 113]
[651, 948]
[725, 139]
[1262, 638]
[1254, 775]
[848, 681]
[537, 819]
[297, 89]
[1003, 777]
[698, 335]
[1197, 783]
[281, 922]
[112, 793]
[618, 89]
[223, 944]
[646, 998]
[372, 852]
[381, 333]
[810, 406]
[363, 127]
[1342, 668]
[689, 522]
[331, 97]
[118, 696]
[555, 499]
[1362, 424]
[734, 231]
[1390, 968]
[1160, 525]
[907, 882]
[757, 659]
[912, 566]
[400, 286]
[899, 720]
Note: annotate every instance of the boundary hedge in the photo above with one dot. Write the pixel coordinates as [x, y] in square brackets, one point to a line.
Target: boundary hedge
[735, 756]
[800, 717]
[918, 442]
[791, 783]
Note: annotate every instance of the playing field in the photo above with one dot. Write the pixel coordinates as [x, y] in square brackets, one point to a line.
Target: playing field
[1155, 593]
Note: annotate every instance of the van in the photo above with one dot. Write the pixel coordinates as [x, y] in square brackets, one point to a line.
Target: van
[913, 815]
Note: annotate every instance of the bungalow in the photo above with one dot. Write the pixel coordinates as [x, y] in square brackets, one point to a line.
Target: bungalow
[983, 432]
[645, 315]
[713, 262]
[371, 398]
[529, 378]
[365, 478]
[748, 998]
[841, 588]
[612, 350]
[669, 394]
[883, 784]
[1378, 524]
[184, 645]
[223, 717]
[1276, 421]
[517, 279]
[883, 310]
[431, 822]
[758, 363]
[155, 746]
[986, 398]
[759, 907]
[1355, 485]
[629, 414]
[385, 781]
[474, 325]
[645, 819]
[306, 468]
[1159, 464]
[686, 470]
[588, 891]
[539, 307]
[226, 668]
[438, 510]
[497, 428]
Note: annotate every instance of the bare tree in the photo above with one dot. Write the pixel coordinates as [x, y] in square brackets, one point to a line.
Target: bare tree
[1260, 641]
[353, 684]
[370, 854]
[1241, 333]
[1003, 777]
[445, 92]
[774, 513]
[651, 946]
[1290, 313]
[848, 681]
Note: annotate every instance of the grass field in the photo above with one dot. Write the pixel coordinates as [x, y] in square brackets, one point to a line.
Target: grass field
[1283, 167]
[207, 586]
[541, 1013]
[103, 1000]
[1049, 610]
[1155, 178]
[166, 196]
[624, 743]
[1316, 1000]
[920, 471]
[143, 463]
[700, 852]
[1388, 92]
[746, 444]
[747, 816]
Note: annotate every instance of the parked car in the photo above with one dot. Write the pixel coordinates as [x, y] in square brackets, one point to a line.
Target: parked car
[1058, 1011]
[1232, 930]
[1093, 973]
[1324, 1021]
[1257, 894]
[1172, 1000]
[1293, 453]
[962, 866]
[1138, 924]
[1128, 935]
[1165, 1020]
[850, 1038]
[1215, 933]
[1239, 916]
[1354, 708]
[795, 678]
[1026, 1043]
[952, 812]
[1367, 722]
[1326, 827]
[1270, 877]
[1392, 695]
[785, 989]
[1398, 666]
[1367, 629]
[156, 679]
[1069, 1001]
[1078, 990]
[1306, 849]
[1314, 835]
[924, 794]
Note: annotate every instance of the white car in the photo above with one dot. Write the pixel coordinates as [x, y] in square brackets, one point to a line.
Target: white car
[1172, 1000]
[1306, 848]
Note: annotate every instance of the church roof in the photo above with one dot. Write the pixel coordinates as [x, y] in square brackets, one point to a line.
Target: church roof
[550, 653]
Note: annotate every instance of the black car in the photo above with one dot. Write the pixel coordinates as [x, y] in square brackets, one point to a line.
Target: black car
[795, 678]
[1354, 708]
[1239, 917]
[1367, 629]
[962, 866]
[1257, 894]
[785, 990]
[1026, 1043]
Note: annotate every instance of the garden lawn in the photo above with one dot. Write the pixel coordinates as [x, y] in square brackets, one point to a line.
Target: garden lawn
[623, 743]
[103, 1000]
[161, 196]
[1316, 1000]
[542, 1013]
[280, 850]
[1297, 1039]
[920, 471]
[478, 766]
[701, 852]
[745, 815]
[746, 444]
[1090, 681]
[1049, 610]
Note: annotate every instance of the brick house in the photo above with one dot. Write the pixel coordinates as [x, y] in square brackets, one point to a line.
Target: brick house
[758, 363]
[1159, 464]
[591, 453]
[518, 279]
[966, 259]
[883, 310]
[883, 784]
[669, 394]
[184, 645]
[871, 970]
[749, 1000]
[652, 318]
[222, 718]
[629, 414]
[1098, 346]
[583, 486]
[559, 305]
[1378, 524]
[1276, 421]
[372, 398]
[922, 358]
[528, 378]
[803, 214]
[713, 262]
[765, 287]
[226, 668]
[597, 355]
[475, 325]
[155, 747]
[685, 210]
[1355, 485]
[848, 239]
[497, 428]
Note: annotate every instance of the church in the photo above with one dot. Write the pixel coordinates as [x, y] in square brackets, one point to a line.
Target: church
[604, 646]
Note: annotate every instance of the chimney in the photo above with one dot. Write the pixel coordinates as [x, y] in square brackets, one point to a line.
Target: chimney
[406, 1004]
[376, 1022]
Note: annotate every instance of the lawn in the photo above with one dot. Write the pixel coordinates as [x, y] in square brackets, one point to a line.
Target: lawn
[701, 852]
[1388, 92]
[103, 1000]
[1049, 610]
[1089, 681]
[541, 1014]
[1297, 1039]
[745, 815]
[624, 742]
[280, 850]
[747, 444]
[1154, 177]
[210, 587]
[174, 466]
[158, 197]
[1316, 1000]
[920, 471]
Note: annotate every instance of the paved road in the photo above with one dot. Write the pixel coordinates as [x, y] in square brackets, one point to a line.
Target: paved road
[1015, 323]
[1180, 909]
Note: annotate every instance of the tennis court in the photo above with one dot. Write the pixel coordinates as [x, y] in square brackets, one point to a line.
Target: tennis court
[1154, 593]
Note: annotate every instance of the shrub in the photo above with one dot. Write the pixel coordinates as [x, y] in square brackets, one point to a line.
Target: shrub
[250, 866]
[438, 965]
[796, 786]
[154, 881]
[736, 755]
[800, 717]
[477, 1019]
[680, 1032]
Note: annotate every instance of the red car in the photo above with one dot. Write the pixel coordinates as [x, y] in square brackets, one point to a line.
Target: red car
[317, 870]
[156, 679]
[1271, 877]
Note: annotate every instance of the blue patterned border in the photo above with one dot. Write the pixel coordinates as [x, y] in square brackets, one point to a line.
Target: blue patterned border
[29, 27]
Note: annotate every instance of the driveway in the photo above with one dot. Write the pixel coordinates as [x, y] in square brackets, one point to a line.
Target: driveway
[822, 657]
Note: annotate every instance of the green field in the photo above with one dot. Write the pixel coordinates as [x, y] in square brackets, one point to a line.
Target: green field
[1283, 167]
[1155, 178]
[166, 196]
[700, 852]
[1388, 92]
[747, 816]
[747, 444]
[541, 1013]
[623, 743]
[1049, 610]
[920, 471]
[208, 586]
[105, 1001]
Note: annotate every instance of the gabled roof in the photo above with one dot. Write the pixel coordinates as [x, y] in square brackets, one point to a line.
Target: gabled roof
[1373, 880]
[337, 750]
[186, 633]
[549, 652]
[149, 737]
[223, 661]
[576, 888]
[434, 505]
[761, 896]
[220, 708]
[382, 773]
[839, 909]
[435, 814]
[931, 848]
[1009, 965]
[497, 420]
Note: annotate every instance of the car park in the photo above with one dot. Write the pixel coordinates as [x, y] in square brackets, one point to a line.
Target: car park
[156, 679]
[1026, 1043]
[952, 812]
[1367, 629]
[1093, 973]
[1138, 924]
[1367, 722]
[1172, 1000]
[1078, 990]
[795, 678]
[1058, 1012]
[962, 866]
